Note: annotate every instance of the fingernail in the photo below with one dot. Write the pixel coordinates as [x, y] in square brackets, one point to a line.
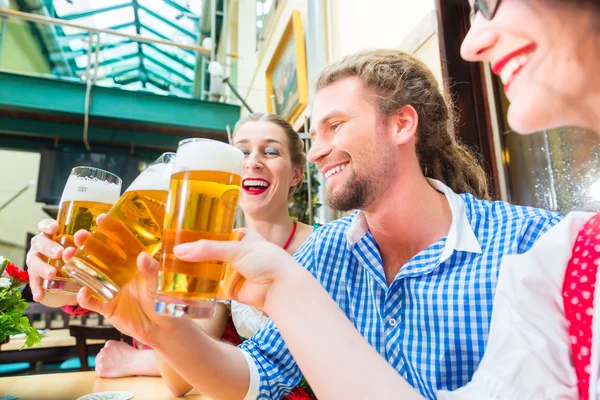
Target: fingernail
[54, 250]
[182, 249]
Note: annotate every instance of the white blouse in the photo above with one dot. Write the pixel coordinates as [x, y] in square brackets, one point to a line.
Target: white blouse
[528, 354]
[247, 319]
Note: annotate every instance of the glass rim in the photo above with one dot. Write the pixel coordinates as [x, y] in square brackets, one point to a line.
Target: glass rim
[198, 139]
[168, 157]
[96, 169]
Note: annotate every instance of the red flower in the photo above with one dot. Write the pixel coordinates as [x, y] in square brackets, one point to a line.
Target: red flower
[16, 273]
[299, 393]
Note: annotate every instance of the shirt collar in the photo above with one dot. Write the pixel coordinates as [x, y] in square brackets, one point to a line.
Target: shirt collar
[460, 236]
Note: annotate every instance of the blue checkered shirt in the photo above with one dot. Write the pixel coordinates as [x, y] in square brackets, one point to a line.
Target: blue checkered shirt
[432, 322]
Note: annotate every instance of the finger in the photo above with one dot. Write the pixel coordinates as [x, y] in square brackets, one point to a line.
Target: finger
[38, 271]
[205, 250]
[148, 268]
[48, 226]
[37, 267]
[87, 300]
[43, 244]
[80, 237]
[68, 253]
[100, 218]
[100, 359]
[34, 264]
[36, 288]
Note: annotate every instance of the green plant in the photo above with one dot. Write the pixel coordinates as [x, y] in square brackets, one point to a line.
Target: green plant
[12, 305]
[299, 200]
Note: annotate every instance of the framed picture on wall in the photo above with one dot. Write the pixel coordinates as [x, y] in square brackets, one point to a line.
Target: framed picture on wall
[286, 74]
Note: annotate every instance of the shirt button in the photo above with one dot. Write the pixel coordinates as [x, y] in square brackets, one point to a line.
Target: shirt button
[392, 322]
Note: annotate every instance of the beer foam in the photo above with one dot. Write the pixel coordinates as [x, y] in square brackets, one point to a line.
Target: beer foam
[209, 155]
[79, 188]
[155, 177]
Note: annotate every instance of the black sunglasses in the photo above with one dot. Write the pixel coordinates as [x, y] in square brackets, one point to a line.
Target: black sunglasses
[487, 8]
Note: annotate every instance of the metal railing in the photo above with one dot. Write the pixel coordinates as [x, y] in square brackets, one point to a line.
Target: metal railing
[95, 38]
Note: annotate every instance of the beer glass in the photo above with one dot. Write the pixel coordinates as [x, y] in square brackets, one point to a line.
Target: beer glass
[88, 192]
[107, 259]
[203, 196]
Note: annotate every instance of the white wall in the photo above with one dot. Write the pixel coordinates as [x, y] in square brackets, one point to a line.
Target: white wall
[353, 25]
[360, 24]
[23, 214]
[407, 25]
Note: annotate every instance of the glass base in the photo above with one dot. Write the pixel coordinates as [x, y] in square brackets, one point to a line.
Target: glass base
[83, 273]
[176, 307]
[61, 285]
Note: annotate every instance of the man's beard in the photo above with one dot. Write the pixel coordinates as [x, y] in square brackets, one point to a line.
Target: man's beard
[360, 191]
[356, 194]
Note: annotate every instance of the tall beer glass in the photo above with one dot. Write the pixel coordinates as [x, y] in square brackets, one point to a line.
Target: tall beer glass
[89, 191]
[107, 259]
[203, 197]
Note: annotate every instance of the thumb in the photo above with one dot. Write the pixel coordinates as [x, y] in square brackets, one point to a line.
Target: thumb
[148, 268]
[208, 250]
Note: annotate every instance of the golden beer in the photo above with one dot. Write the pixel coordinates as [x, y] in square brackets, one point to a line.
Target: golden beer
[107, 260]
[88, 193]
[73, 216]
[203, 196]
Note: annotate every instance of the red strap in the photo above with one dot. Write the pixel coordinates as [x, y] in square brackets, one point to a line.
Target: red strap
[289, 239]
[578, 299]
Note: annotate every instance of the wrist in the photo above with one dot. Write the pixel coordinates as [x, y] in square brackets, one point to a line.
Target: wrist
[167, 332]
[287, 287]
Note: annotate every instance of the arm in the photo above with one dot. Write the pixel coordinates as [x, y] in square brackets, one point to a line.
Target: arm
[335, 359]
[271, 276]
[219, 370]
[213, 327]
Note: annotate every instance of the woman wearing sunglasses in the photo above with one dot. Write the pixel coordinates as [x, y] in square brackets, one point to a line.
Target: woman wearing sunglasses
[544, 332]
[546, 52]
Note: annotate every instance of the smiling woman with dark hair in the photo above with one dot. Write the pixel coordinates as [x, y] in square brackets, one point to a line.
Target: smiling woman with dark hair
[544, 331]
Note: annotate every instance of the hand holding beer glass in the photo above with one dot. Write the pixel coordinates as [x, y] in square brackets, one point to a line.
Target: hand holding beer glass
[88, 192]
[203, 196]
[107, 259]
